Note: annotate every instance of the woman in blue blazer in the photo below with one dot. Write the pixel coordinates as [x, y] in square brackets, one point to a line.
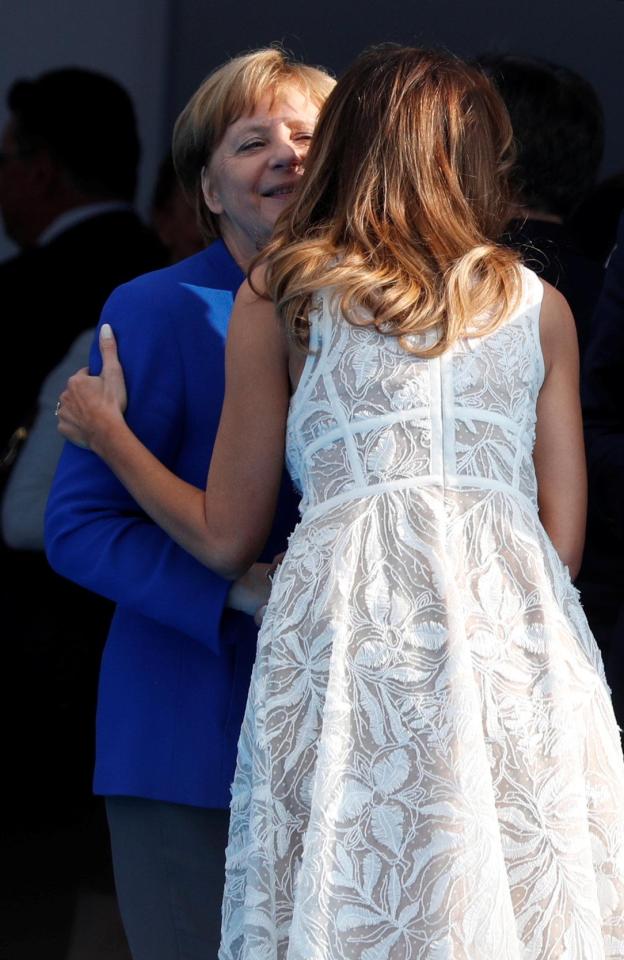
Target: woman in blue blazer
[177, 662]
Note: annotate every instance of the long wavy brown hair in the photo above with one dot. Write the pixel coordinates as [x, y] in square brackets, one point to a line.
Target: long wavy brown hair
[402, 201]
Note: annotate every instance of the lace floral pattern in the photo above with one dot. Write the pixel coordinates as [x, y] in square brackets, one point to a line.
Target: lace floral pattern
[429, 767]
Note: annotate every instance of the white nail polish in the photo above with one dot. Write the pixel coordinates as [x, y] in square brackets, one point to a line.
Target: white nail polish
[106, 331]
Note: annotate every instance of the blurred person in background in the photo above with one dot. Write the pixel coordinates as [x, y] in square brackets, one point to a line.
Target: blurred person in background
[558, 129]
[174, 222]
[595, 223]
[69, 156]
[602, 586]
[173, 217]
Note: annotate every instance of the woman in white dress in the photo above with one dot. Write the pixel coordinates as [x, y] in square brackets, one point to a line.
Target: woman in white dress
[429, 767]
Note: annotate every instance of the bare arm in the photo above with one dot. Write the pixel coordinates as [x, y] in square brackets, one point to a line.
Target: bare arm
[559, 453]
[225, 527]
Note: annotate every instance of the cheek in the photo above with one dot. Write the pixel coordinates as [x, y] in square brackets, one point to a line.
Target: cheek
[303, 150]
[217, 186]
[232, 191]
[237, 184]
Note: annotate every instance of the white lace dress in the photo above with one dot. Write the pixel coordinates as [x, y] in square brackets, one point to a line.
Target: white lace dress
[429, 766]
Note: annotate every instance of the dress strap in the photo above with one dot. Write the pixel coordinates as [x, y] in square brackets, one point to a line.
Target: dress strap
[317, 348]
[532, 296]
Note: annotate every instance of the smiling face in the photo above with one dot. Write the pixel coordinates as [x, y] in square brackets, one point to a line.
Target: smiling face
[255, 168]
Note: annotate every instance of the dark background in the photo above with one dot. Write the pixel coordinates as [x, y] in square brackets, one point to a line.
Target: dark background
[161, 49]
[587, 35]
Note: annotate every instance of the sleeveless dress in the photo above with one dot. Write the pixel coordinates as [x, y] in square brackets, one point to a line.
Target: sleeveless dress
[429, 766]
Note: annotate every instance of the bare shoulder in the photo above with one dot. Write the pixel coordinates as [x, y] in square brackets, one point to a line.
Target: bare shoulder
[557, 328]
[253, 291]
[252, 304]
[253, 295]
[255, 325]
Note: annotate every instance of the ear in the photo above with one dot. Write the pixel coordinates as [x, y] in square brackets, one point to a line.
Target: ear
[210, 193]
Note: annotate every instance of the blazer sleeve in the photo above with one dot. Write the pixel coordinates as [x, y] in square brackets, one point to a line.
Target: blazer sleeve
[96, 534]
[603, 389]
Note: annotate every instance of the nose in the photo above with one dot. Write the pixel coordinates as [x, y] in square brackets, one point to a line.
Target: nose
[288, 154]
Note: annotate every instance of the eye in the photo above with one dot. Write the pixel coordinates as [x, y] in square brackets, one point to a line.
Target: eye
[252, 144]
[304, 137]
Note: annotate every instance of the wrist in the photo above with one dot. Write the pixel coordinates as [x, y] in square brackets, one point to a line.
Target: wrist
[107, 433]
[251, 590]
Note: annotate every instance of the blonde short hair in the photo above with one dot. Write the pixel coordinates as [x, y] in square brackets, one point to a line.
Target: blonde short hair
[231, 91]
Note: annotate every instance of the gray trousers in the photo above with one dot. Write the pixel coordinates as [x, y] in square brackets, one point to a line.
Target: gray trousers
[169, 865]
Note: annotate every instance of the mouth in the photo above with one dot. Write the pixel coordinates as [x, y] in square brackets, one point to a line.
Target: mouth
[281, 190]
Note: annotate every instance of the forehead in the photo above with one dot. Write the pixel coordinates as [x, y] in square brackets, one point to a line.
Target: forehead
[289, 106]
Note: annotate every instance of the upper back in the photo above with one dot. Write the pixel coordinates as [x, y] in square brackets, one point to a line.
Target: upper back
[368, 415]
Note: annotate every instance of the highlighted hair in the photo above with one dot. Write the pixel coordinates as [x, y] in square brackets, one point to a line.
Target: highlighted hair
[402, 200]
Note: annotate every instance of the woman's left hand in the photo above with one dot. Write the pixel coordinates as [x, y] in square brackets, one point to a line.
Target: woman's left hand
[91, 405]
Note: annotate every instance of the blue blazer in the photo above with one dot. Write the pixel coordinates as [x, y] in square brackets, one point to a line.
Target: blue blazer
[176, 665]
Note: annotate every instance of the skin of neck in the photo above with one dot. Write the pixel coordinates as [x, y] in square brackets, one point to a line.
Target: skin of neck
[242, 248]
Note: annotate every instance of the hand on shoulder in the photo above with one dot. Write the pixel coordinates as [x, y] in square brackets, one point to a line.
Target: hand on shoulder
[89, 405]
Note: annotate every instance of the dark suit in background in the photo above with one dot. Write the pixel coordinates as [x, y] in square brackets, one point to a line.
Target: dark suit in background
[558, 138]
[603, 410]
[51, 293]
[68, 167]
[550, 250]
[55, 631]
[558, 133]
[68, 172]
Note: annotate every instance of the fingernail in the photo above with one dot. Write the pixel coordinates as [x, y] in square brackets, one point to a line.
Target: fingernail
[106, 332]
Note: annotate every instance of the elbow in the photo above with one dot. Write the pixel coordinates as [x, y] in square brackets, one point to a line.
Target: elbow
[228, 554]
[571, 557]
[57, 549]
[230, 571]
[230, 563]
[573, 563]
[227, 542]
[69, 556]
[55, 554]
[567, 535]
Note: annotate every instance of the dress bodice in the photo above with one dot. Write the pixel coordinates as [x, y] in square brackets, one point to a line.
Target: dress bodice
[368, 416]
